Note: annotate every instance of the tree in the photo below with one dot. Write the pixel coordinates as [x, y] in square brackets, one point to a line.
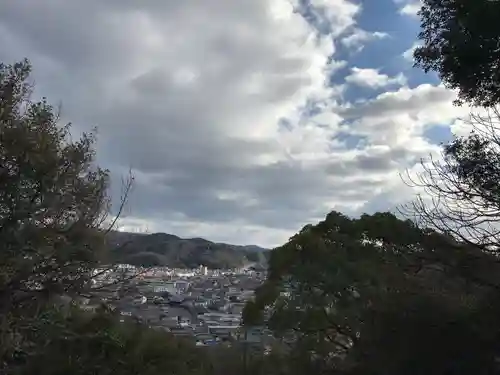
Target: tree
[461, 42]
[461, 196]
[423, 335]
[78, 342]
[312, 290]
[52, 199]
[343, 295]
[53, 206]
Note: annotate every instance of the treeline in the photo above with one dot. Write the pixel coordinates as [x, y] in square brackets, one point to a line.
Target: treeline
[378, 295]
[373, 295]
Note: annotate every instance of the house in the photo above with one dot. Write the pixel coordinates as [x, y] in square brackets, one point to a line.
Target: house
[223, 331]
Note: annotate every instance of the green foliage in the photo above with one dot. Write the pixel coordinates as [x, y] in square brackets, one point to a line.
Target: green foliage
[82, 343]
[425, 336]
[52, 203]
[365, 295]
[460, 42]
[475, 164]
[52, 198]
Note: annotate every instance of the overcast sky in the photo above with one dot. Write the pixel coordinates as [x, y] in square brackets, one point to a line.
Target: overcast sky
[243, 120]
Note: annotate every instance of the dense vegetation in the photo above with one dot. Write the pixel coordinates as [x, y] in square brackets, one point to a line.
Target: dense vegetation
[461, 43]
[161, 249]
[370, 295]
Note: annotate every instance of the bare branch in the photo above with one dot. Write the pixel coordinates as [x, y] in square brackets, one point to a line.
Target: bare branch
[127, 186]
[460, 193]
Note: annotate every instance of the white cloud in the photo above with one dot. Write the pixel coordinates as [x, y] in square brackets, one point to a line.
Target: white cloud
[356, 40]
[408, 54]
[409, 7]
[373, 78]
[472, 119]
[397, 121]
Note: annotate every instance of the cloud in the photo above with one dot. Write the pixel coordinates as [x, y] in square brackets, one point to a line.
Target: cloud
[408, 54]
[232, 115]
[356, 40]
[373, 78]
[409, 7]
[397, 119]
[327, 17]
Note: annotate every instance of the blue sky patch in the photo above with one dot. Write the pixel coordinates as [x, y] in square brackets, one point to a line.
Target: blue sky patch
[438, 134]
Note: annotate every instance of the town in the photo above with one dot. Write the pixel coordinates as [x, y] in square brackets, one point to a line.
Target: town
[201, 304]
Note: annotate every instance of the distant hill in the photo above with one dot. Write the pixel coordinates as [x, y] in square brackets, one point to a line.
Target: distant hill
[162, 249]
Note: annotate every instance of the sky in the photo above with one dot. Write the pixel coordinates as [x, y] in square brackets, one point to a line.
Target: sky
[242, 120]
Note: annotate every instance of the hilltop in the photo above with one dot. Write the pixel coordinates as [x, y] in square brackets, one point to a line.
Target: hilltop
[163, 249]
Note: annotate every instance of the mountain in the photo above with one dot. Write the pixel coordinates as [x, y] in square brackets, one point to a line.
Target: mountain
[254, 248]
[162, 249]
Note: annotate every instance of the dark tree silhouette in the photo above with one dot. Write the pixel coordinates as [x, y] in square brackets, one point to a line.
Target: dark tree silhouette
[461, 195]
[461, 42]
[54, 207]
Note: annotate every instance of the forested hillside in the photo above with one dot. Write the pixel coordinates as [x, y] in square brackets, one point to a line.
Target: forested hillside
[161, 249]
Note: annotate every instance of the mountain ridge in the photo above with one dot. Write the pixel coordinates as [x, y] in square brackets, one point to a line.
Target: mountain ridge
[164, 249]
